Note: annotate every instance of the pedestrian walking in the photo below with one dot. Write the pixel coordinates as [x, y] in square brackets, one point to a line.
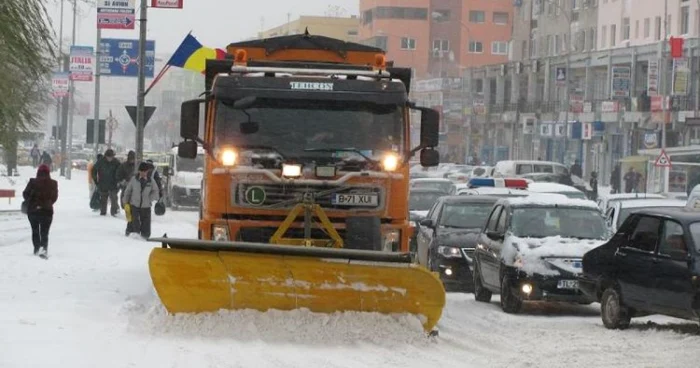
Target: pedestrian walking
[104, 174]
[35, 155]
[153, 173]
[576, 169]
[594, 186]
[615, 180]
[40, 195]
[47, 160]
[140, 193]
[631, 179]
[125, 172]
[91, 181]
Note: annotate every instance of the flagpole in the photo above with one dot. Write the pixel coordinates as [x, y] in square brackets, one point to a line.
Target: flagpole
[157, 78]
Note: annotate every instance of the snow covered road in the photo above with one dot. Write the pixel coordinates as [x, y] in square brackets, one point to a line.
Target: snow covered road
[92, 304]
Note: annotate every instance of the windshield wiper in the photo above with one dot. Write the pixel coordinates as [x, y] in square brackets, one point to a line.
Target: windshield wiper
[349, 149]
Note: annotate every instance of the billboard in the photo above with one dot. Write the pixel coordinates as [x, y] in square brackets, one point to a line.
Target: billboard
[119, 57]
[60, 84]
[81, 63]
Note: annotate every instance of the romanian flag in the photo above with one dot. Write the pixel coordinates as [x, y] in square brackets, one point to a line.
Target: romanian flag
[192, 55]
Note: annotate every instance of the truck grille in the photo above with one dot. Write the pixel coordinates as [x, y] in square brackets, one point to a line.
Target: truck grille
[276, 195]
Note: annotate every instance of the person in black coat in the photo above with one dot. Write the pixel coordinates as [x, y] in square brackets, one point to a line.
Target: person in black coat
[104, 174]
[594, 186]
[40, 195]
[125, 172]
[576, 169]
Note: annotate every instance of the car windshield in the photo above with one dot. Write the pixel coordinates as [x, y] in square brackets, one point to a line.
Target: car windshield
[465, 215]
[695, 232]
[567, 222]
[190, 165]
[575, 195]
[442, 186]
[626, 212]
[422, 201]
[294, 126]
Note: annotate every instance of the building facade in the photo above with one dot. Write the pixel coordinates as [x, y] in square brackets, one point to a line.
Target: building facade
[342, 28]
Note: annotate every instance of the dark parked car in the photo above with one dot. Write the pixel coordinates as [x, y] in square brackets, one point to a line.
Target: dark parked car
[448, 235]
[531, 249]
[650, 266]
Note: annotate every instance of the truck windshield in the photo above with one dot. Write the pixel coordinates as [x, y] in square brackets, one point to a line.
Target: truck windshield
[190, 165]
[293, 126]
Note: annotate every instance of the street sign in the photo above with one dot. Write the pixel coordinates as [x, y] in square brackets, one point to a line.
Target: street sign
[59, 84]
[653, 78]
[166, 4]
[149, 110]
[681, 76]
[81, 63]
[663, 160]
[90, 132]
[116, 14]
[120, 57]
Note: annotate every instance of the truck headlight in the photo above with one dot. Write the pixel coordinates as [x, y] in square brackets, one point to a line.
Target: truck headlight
[390, 162]
[449, 252]
[291, 170]
[228, 157]
[392, 239]
[219, 232]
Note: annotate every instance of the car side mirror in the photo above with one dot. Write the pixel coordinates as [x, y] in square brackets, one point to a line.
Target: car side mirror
[187, 149]
[493, 235]
[189, 119]
[427, 223]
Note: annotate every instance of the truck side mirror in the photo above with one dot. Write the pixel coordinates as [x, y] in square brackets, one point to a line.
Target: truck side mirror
[429, 127]
[429, 157]
[187, 149]
[189, 119]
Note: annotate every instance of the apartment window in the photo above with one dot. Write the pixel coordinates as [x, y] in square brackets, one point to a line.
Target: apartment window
[557, 43]
[593, 39]
[477, 16]
[668, 26]
[613, 35]
[657, 27]
[499, 48]
[549, 47]
[398, 12]
[636, 29]
[377, 41]
[441, 45]
[441, 15]
[685, 20]
[523, 50]
[352, 32]
[408, 43]
[500, 18]
[625, 28]
[603, 36]
[647, 28]
[367, 16]
[476, 47]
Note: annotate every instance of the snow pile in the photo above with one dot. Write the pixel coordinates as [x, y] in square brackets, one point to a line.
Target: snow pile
[296, 326]
[533, 251]
[547, 200]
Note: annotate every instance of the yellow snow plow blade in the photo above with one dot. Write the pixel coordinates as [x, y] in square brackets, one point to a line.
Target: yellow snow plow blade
[204, 276]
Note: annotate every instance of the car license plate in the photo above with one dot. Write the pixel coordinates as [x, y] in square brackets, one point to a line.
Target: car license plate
[567, 284]
[355, 199]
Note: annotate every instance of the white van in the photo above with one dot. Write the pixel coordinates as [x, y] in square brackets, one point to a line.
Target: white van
[516, 168]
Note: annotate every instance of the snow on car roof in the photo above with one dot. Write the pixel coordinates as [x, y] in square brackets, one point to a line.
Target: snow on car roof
[612, 197]
[644, 203]
[550, 200]
[423, 180]
[492, 191]
[550, 188]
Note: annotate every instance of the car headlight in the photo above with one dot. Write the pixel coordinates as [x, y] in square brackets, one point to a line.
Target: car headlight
[449, 252]
[219, 232]
[390, 162]
[291, 170]
[392, 239]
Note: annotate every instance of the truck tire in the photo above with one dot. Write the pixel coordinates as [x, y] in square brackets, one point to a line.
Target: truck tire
[614, 314]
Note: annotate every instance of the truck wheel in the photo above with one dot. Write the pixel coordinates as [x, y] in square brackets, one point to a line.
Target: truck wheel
[614, 314]
[510, 303]
[481, 294]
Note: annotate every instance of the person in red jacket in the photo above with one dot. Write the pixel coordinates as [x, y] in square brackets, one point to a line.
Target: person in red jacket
[40, 195]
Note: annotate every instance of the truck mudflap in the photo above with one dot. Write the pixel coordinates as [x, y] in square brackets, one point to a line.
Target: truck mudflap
[192, 276]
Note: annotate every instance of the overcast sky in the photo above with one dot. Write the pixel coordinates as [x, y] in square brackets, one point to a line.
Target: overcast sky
[215, 23]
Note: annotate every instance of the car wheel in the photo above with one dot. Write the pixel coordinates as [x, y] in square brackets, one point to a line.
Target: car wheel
[510, 303]
[614, 314]
[481, 294]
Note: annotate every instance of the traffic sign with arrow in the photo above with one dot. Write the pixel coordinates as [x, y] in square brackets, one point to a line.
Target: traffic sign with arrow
[147, 114]
[663, 160]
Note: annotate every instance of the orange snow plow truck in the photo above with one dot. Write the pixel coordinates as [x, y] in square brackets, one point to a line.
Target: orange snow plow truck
[305, 186]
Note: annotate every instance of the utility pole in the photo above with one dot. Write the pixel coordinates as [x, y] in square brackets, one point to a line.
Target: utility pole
[67, 160]
[98, 55]
[60, 69]
[665, 94]
[567, 12]
[141, 96]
